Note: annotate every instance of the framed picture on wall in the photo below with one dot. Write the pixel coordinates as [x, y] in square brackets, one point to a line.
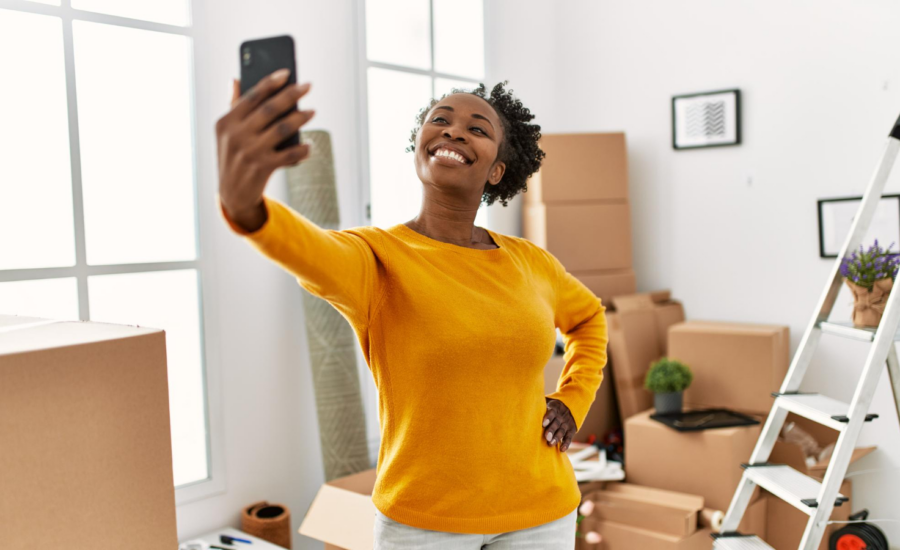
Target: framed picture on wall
[706, 119]
[837, 215]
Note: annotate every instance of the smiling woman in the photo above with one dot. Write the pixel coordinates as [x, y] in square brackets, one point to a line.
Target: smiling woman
[456, 324]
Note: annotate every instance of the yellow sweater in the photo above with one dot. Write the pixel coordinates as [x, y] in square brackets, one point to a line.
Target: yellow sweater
[456, 339]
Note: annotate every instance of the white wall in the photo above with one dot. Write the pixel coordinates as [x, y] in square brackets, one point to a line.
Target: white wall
[732, 231]
[271, 434]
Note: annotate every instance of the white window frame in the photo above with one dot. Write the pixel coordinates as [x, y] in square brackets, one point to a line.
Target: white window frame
[370, 393]
[215, 482]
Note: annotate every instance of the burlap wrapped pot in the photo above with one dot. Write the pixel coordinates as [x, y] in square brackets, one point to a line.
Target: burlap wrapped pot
[868, 304]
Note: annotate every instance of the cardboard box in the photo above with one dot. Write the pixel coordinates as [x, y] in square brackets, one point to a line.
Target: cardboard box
[736, 365]
[85, 433]
[343, 515]
[755, 519]
[603, 415]
[617, 536]
[785, 524]
[792, 455]
[583, 236]
[580, 167]
[665, 512]
[705, 463]
[608, 284]
[637, 337]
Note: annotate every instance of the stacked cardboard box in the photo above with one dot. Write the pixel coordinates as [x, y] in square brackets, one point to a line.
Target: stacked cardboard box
[577, 208]
[629, 516]
[638, 335]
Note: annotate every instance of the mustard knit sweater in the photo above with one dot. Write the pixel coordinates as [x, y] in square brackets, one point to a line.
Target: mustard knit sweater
[456, 339]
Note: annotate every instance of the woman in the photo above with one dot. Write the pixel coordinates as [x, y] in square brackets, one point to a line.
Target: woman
[456, 322]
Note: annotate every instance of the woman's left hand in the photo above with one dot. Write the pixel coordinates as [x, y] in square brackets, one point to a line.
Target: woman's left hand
[558, 424]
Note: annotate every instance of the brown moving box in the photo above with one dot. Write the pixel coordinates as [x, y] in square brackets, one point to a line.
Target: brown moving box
[736, 365]
[603, 415]
[343, 515]
[84, 430]
[705, 463]
[580, 167]
[637, 337]
[617, 536]
[582, 236]
[665, 512]
[607, 284]
[785, 524]
[792, 455]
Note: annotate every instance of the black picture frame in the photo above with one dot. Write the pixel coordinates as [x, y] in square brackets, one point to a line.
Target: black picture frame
[820, 204]
[736, 122]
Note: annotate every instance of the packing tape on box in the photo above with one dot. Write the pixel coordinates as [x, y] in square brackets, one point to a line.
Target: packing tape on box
[712, 519]
[270, 522]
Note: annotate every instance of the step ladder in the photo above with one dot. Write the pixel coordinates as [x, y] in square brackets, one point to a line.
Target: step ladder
[805, 493]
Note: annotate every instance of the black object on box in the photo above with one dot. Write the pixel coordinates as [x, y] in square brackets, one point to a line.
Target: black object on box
[705, 419]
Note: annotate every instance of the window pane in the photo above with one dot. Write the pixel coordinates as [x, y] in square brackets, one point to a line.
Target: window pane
[394, 100]
[168, 300]
[48, 298]
[172, 12]
[399, 32]
[134, 117]
[444, 85]
[36, 184]
[459, 37]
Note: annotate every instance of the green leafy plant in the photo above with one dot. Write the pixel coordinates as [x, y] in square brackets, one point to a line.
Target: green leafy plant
[668, 376]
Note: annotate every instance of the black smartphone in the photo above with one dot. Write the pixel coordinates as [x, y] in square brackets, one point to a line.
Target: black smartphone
[262, 57]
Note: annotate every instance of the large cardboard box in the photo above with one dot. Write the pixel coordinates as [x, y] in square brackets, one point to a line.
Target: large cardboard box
[736, 365]
[85, 437]
[343, 515]
[583, 236]
[793, 455]
[637, 337]
[580, 167]
[665, 512]
[608, 284]
[785, 524]
[603, 415]
[705, 463]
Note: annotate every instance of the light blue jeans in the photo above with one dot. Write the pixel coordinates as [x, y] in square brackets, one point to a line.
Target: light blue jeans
[556, 535]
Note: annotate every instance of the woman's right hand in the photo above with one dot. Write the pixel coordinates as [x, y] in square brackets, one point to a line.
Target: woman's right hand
[246, 141]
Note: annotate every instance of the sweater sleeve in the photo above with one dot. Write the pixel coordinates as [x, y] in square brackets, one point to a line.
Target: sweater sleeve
[580, 317]
[338, 266]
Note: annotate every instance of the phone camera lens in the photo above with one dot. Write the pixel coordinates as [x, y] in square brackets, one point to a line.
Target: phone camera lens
[246, 57]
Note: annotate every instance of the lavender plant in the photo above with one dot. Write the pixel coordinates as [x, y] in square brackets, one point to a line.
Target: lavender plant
[867, 266]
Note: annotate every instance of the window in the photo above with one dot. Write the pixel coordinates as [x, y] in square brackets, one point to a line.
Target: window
[97, 193]
[414, 50]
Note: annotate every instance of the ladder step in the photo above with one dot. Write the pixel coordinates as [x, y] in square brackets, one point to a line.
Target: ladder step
[798, 490]
[740, 542]
[817, 408]
[848, 330]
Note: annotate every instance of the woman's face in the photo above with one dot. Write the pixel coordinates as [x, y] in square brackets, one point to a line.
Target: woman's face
[456, 148]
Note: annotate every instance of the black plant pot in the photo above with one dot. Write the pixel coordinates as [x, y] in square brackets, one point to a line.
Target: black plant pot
[666, 403]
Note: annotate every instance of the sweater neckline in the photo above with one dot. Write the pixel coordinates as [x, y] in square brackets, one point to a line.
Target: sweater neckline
[474, 252]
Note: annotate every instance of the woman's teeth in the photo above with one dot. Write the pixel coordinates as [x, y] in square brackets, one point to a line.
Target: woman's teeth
[451, 154]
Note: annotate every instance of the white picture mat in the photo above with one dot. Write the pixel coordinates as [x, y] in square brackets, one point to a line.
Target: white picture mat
[838, 216]
[682, 104]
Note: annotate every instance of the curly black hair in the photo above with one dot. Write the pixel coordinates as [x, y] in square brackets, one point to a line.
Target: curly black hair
[519, 149]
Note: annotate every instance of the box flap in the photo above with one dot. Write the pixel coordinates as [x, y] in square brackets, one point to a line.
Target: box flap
[361, 482]
[57, 334]
[633, 302]
[669, 499]
[333, 510]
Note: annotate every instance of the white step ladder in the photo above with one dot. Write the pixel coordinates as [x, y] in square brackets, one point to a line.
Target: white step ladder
[806, 494]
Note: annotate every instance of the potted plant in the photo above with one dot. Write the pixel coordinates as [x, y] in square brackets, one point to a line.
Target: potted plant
[667, 379]
[870, 275]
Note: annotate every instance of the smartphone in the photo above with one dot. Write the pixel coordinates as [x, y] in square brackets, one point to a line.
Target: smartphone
[262, 57]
